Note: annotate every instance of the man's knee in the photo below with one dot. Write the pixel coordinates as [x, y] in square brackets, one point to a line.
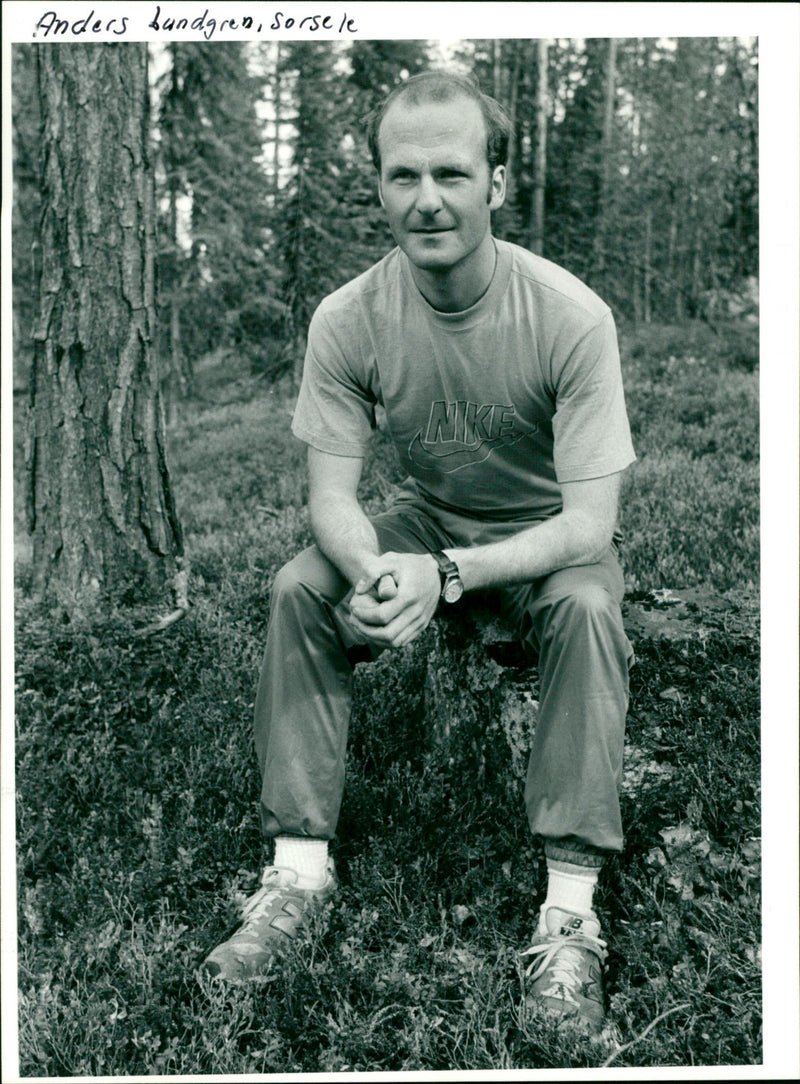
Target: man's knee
[308, 573]
[288, 578]
[584, 613]
[591, 600]
[582, 601]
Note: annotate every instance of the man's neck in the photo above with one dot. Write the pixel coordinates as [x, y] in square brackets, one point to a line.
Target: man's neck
[458, 288]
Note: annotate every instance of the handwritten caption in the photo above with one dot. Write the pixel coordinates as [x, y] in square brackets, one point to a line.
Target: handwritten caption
[50, 25]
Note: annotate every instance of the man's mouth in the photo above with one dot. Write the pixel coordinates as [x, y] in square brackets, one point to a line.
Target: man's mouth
[433, 229]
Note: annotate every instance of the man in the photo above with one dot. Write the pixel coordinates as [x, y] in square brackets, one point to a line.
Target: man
[499, 374]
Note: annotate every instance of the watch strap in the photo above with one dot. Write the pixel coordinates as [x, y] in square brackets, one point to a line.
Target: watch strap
[447, 566]
[451, 586]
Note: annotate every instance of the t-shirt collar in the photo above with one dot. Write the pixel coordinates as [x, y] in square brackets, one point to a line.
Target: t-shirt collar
[485, 304]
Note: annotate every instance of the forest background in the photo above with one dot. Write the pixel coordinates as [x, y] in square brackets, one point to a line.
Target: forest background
[636, 166]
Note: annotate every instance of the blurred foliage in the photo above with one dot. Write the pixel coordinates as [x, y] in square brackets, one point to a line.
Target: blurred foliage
[663, 219]
[259, 220]
[218, 285]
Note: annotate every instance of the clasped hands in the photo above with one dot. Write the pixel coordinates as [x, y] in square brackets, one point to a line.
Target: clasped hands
[395, 598]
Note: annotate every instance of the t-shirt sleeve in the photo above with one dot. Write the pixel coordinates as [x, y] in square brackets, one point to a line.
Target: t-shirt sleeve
[335, 410]
[591, 433]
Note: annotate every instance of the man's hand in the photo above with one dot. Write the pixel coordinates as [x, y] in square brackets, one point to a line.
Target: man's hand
[396, 598]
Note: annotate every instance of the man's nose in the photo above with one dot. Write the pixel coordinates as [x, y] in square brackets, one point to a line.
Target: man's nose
[429, 200]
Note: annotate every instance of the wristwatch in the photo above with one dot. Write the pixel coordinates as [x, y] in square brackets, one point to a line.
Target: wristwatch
[452, 587]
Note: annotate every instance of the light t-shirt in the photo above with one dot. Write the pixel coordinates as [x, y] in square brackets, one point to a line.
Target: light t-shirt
[490, 408]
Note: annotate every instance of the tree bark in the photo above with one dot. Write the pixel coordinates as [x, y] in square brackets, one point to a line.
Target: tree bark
[100, 506]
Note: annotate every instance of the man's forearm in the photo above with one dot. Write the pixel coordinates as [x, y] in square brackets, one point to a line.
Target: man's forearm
[570, 538]
[344, 534]
[579, 535]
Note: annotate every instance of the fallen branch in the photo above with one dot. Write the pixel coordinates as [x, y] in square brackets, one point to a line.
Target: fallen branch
[162, 623]
[180, 586]
[649, 1028]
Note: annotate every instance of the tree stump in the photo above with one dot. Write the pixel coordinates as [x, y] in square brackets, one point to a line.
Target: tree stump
[480, 694]
[481, 689]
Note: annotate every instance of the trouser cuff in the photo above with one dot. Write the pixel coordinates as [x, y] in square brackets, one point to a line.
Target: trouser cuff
[575, 853]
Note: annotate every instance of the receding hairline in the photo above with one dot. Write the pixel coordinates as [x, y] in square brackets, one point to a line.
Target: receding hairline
[432, 87]
[419, 99]
[438, 87]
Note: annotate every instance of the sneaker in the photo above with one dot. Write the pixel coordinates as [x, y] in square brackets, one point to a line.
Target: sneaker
[567, 969]
[271, 920]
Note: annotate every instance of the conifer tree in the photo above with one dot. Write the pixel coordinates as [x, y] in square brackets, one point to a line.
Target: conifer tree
[26, 205]
[219, 285]
[101, 514]
[328, 220]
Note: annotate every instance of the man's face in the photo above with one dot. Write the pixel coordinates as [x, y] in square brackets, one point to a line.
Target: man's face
[435, 184]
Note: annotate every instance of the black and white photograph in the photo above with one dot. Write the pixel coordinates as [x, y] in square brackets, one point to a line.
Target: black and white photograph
[399, 541]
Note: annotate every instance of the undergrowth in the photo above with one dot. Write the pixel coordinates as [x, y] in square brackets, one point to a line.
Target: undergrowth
[137, 794]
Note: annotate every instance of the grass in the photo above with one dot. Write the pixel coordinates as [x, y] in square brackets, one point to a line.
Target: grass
[137, 825]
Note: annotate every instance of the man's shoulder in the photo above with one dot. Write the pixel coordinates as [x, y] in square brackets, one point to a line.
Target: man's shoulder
[377, 279]
[554, 286]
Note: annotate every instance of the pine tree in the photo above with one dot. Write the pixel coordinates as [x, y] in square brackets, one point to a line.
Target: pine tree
[26, 205]
[329, 224]
[101, 512]
[575, 177]
[686, 177]
[219, 283]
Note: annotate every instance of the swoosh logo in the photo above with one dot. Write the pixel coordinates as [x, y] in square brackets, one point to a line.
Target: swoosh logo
[420, 453]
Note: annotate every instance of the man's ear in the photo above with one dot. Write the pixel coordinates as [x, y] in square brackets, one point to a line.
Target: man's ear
[497, 188]
[380, 192]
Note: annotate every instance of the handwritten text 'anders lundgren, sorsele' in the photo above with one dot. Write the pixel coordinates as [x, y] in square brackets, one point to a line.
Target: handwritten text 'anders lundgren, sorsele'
[50, 25]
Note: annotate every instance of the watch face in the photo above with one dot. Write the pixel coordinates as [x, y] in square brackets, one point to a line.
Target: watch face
[453, 590]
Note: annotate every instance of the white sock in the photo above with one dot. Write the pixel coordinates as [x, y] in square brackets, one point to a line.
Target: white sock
[307, 857]
[570, 887]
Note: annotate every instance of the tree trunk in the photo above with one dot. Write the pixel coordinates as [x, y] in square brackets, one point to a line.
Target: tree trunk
[540, 154]
[637, 301]
[609, 107]
[606, 163]
[497, 69]
[176, 381]
[512, 166]
[101, 511]
[276, 150]
[647, 270]
[673, 242]
[695, 300]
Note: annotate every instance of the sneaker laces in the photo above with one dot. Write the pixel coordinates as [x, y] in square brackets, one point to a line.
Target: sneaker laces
[273, 879]
[561, 950]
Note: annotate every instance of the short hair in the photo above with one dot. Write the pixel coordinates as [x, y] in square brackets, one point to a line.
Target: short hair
[444, 86]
